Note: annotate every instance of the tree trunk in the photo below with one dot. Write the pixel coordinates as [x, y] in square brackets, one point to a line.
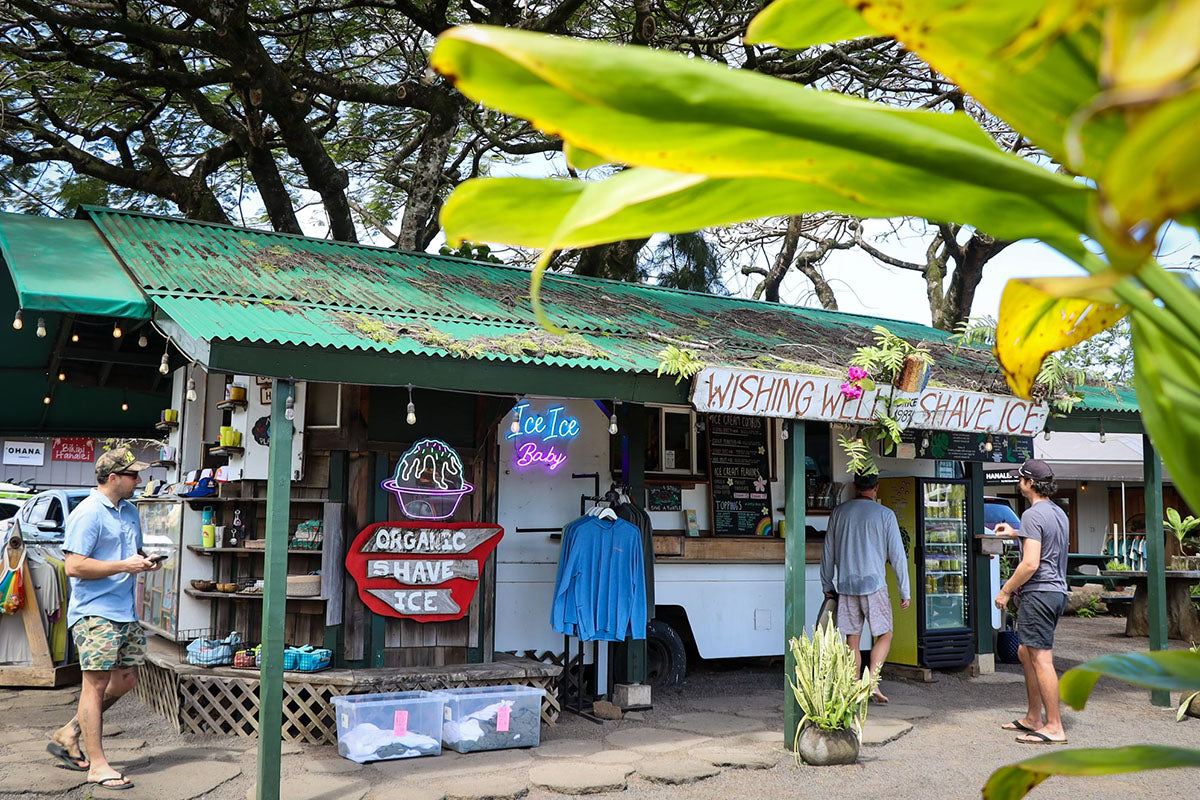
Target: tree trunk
[427, 179]
[616, 261]
[955, 307]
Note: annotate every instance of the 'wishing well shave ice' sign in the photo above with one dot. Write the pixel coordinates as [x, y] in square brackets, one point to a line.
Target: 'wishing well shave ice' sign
[756, 393]
[420, 570]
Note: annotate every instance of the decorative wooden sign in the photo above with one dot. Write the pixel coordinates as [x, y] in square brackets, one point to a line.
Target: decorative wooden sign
[425, 571]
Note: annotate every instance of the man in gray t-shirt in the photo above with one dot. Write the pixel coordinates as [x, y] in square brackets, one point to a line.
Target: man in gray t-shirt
[1040, 582]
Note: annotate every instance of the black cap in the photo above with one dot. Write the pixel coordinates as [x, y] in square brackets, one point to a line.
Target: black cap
[1034, 468]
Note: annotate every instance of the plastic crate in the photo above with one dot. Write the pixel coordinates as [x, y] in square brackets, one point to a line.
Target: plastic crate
[380, 727]
[491, 718]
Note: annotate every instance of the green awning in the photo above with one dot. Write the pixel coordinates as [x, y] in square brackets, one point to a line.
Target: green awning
[64, 265]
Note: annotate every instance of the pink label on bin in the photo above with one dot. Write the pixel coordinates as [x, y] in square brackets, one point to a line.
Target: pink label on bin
[502, 717]
[400, 725]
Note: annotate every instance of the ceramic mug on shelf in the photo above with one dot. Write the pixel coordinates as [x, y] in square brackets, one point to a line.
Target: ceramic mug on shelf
[226, 436]
[235, 392]
[208, 535]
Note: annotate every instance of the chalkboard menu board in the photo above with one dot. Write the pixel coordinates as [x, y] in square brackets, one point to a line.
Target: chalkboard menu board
[740, 469]
[664, 497]
[964, 446]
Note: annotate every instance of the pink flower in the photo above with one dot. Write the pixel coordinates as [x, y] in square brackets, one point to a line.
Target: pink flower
[856, 373]
[851, 391]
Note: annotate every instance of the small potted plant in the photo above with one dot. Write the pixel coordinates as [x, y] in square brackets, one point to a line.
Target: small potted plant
[1181, 527]
[832, 696]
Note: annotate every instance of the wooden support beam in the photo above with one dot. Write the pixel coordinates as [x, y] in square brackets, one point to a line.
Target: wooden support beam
[270, 697]
[1156, 575]
[793, 566]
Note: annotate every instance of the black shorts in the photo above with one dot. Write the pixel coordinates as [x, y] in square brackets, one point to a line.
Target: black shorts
[1037, 617]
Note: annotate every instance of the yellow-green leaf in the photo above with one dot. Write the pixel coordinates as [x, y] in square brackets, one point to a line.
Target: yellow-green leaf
[1034, 324]
[1015, 781]
[1149, 45]
[1171, 670]
[797, 24]
[1154, 173]
[647, 108]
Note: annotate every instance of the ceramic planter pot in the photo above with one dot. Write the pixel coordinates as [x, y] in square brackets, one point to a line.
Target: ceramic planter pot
[823, 748]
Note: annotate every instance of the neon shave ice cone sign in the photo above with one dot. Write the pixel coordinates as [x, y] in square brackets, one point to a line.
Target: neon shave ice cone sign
[429, 481]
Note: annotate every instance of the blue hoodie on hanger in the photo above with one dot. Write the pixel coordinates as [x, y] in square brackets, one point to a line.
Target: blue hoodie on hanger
[600, 591]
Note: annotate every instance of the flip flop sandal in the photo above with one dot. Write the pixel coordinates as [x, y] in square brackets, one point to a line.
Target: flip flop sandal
[106, 783]
[64, 755]
[1040, 738]
[1017, 725]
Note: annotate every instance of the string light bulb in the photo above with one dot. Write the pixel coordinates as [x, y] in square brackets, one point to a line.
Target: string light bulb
[411, 418]
[1046, 435]
[46, 400]
[988, 445]
[612, 419]
[164, 366]
[75, 338]
[1103, 435]
[124, 406]
[515, 425]
[785, 431]
[62, 376]
[289, 405]
[116, 330]
[41, 328]
[191, 390]
[18, 323]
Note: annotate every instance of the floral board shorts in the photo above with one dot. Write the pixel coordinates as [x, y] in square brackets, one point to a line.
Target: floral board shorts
[105, 645]
[876, 608]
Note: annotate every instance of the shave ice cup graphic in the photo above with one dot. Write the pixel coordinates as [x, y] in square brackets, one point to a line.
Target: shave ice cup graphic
[429, 481]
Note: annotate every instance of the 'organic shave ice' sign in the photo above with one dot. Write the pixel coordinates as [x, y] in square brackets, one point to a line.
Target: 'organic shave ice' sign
[420, 570]
[541, 439]
[429, 481]
[757, 393]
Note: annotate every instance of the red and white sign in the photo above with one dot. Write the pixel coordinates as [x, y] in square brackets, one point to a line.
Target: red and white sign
[421, 570]
[73, 448]
[786, 395]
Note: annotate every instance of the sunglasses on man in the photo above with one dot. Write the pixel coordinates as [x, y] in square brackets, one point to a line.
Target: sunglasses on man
[128, 474]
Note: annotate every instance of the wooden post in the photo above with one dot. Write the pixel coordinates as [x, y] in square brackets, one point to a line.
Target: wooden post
[1156, 577]
[982, 595]
[270, 686]
[793, 567]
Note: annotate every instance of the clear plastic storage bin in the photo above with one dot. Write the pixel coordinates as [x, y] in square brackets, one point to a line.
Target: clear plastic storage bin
[378, 727]
[491, 718]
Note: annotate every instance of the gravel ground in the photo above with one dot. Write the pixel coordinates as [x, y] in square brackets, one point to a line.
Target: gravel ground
[948, 754]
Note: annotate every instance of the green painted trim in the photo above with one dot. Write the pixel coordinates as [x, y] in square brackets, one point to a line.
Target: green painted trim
[270, 687]
[468, 375]
[339, 464]
[1156, 575]
[984, 642]
[1092, 422]
[636, 662]
[379, 511]
[793, 568]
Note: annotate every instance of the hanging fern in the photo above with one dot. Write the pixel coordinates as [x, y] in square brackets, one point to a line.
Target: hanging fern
[680, 362]
[858, 454]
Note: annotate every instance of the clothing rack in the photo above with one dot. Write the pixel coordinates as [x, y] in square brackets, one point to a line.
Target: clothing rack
[575, 703]
[41, 671]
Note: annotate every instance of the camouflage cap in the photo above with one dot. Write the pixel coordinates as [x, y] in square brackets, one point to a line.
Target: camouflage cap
[119, 459]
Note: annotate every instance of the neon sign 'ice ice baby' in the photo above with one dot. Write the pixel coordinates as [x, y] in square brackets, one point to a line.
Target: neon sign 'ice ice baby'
[429, 481]
[548, 430]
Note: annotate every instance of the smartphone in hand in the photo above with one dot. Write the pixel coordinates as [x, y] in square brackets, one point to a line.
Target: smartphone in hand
[158, 559]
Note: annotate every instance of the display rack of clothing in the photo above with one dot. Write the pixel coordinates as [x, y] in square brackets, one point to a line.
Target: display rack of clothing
[35, 649]
[600, 589]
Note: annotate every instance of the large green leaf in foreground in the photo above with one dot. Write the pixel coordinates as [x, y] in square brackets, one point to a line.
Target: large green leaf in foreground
[1176, 670]
[1014, 781]
[645, 108]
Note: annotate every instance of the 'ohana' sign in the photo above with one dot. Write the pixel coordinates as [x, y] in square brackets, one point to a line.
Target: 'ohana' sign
[420, 570]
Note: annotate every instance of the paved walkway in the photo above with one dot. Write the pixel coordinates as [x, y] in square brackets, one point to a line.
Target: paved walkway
[719, 736]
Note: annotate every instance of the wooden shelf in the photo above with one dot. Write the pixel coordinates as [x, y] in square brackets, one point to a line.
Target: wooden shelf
[163, 464]
[240, 596]
[229, 405]
[166, 426]
[216, 499]
[207, 551]
[227, 450]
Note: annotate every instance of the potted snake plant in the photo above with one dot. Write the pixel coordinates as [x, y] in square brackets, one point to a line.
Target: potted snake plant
[832, 696]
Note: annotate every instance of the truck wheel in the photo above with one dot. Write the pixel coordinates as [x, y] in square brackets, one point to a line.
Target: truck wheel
[666, 658]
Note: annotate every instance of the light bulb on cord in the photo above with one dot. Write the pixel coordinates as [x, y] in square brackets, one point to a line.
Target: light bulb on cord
[515, 425]
[62, 376]
[164, 366]
[41, 328]
[987, 445]
[1103, 435]
[75, 337]
[612, 419]
[116, 330]
[785, 431]
[289, 406]
[411, 418]
[191, 389]
[143, 341]
[1046, 435]
[18, 323]
[46, 399]
[124, 406]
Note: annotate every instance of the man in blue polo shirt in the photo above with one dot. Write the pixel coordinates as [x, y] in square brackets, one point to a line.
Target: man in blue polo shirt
[103, 546]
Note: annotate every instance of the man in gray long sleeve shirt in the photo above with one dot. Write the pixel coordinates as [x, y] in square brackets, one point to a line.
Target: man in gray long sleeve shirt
[862, 533]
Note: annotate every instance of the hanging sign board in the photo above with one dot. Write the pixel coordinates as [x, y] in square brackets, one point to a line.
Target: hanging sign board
[963, 446]
[421, 570]
[26, 454]
[664, 497]
[790, 396]
[73, 449]
[740, 470]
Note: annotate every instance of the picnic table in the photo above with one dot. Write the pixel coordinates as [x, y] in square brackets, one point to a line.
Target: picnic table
[1183, 621]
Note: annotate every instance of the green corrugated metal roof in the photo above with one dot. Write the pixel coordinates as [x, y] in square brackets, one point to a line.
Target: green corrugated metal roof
[63, 265]
[225, 283]
[1105, 399]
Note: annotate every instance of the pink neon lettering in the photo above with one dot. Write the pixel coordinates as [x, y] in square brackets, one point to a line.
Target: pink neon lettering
[530, 453]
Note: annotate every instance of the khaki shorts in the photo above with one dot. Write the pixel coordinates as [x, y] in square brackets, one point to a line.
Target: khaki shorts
[876, 608]
[105, 645]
